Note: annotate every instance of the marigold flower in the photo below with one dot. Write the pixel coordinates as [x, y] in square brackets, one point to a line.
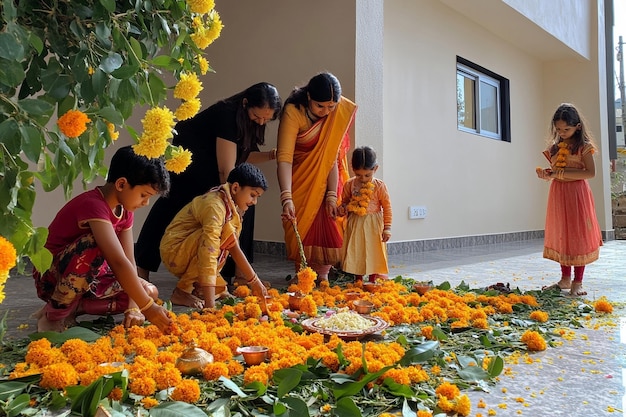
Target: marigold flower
[149, 402]
[8, 255]
[534, 341]
[463, 405]
[114, 134]
[306, 280]
[603, 306]
[448, 390]
[213, 371]
[150, 146]
[59, 376]
[158, 122]
[540, 316]
[203, 64]
[424, 413]
[73, 123]
[187, 390]
[179, 160]
[201, 6]
[188, 109]
[188, 87]
[142, 386]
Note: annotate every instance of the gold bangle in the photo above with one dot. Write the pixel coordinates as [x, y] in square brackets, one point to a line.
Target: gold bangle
[147, 306]
[132, 310]
[273, 154]
[255, 276]
[287, 200]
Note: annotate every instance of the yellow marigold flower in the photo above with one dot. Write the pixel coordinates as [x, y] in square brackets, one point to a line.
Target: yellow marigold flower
[203, 64]
[540, 316]
[90, 70]
[423, 413]
[8, 255]
[142, 386]
[112, 132]
[213, 371]
[427, 332]
[308, 306]
[158, 122]
[463, 405]
[73, 123]
[149, 402]
[448, 390]
[481, 404]
[145, 348]
[445, 404]
[179, 160]
[168, 376]
[188, 391]
[603, 306]
[116, 394]
[201, 6]
[188, 109]
[534, 341]
[242, 291]
[306, 280]
[188, 87]
[491, 412]
[59, 376]
[150, 146]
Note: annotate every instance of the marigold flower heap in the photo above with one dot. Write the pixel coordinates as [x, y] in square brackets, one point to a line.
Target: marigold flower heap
[73, 123]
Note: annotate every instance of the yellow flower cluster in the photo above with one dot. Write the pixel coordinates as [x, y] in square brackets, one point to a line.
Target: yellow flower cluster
[358, 203]
[207, 28]
[8, 259]
[306, 280]
[201, 6]
[603, 306]
[450, 399]
[114, 134]
[534, 341]
[179, 160]
[157, 129]
[540, 316]
[561, 155]
[187, 89]
[73, 123]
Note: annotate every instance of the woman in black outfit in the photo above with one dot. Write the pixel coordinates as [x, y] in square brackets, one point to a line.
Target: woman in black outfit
[220, 137]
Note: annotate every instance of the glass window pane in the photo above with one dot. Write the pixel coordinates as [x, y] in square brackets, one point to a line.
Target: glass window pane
[489, 108]
[465, 101]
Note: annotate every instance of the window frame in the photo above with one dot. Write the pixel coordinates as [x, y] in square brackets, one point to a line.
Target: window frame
[482, 75]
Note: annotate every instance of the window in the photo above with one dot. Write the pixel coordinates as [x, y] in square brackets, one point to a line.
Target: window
[482, 101]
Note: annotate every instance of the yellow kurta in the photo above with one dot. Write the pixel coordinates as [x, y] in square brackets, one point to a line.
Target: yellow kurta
[195, 244]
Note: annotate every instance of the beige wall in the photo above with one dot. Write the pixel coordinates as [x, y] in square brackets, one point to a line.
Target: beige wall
[401, 69]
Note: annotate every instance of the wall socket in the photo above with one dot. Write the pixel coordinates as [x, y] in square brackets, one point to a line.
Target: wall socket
[417, 212]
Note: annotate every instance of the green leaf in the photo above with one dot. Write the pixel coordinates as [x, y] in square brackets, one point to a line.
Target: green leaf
[176, 409]
[473, 373]
[279, 408]
[11, 388]
[125, 71]
[41, 259]
[396, 389]
[9, 11]
[112, 62]
[164, 61]
[347, 408]
[420, 353]
[297, 407]
[10, 48]
[287, 380]
[10, 137]
[36, 107]
[32, 142]
[110, 114]
[232, 386]
[15, 407]
[496, 366]
[57, 338]
[11, 73]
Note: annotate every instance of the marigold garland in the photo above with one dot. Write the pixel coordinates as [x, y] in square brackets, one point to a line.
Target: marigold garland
[360, 201]
[561, 155]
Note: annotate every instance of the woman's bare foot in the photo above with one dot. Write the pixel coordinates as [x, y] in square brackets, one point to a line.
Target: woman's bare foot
[182, 298]
[564, 284]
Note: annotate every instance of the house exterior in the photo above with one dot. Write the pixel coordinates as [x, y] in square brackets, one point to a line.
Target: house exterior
[411, 66]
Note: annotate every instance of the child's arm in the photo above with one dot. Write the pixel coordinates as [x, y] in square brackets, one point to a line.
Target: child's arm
[387, 214]
[258, 289]
[126, 274]
[132, 315]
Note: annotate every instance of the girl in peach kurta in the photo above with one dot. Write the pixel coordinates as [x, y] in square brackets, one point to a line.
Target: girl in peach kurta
[572, 233]
[366, 203]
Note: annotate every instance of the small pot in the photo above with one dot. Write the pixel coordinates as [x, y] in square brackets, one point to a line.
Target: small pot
[363, 306]
[422, 287]
[371, 286]
[350, 296]
[192, 360]
[253, 355]
[295, 300]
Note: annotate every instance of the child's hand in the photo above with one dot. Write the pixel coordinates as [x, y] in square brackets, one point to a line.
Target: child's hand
[543, 174]
[386, 235]
[159, 317]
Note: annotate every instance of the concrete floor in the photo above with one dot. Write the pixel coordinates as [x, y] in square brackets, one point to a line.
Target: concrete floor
[584, 377]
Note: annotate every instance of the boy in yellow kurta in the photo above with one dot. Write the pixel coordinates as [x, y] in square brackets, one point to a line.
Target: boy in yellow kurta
[204, 232]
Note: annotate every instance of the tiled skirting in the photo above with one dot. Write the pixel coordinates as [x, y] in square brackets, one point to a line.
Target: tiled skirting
[399, 248]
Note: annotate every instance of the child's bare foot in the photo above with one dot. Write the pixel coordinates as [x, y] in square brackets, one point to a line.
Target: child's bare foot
[182, 298]
[577, 289]
[564, 284]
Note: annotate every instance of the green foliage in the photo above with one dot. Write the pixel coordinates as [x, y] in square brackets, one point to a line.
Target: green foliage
[103, 57]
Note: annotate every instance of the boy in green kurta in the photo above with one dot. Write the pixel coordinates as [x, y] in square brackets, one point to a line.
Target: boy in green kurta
[204, 232]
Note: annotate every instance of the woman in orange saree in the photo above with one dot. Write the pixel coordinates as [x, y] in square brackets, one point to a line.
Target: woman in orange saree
[312, 167]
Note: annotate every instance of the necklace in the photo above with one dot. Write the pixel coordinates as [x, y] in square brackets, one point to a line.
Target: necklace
[360, 201]
[561, 155]
[311, 117]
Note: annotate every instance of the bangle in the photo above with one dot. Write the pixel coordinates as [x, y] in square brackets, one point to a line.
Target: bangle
[287, 200]
[132, 310]
[255, 276]
[147, 306]
[331, 193]
[273, 154]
